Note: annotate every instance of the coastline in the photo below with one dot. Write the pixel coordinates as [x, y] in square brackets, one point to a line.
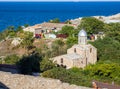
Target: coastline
[106, 19]
[20, 13]
[115, 18]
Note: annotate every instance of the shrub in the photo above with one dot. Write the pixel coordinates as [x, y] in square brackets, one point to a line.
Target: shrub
[11, 59]
[29, 64]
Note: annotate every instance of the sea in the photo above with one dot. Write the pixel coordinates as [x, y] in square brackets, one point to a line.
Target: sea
[21, 13]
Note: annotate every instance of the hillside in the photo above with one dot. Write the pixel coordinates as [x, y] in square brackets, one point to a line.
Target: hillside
[6, 48]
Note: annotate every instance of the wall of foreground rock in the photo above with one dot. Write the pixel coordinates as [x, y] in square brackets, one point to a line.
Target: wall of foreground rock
[17, 81]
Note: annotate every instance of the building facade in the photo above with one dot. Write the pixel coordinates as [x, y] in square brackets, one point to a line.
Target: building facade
[79, 55]
[45, 28]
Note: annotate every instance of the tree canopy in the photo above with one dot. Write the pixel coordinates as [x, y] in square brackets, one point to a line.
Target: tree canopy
[68, 30]
[55, 20]
[29, 64]
[91, 25]
[112, 30]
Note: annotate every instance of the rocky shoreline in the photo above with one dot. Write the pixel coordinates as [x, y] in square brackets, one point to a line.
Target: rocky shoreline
[106, 19]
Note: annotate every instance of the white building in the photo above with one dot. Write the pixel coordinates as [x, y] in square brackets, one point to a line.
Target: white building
[46, 27]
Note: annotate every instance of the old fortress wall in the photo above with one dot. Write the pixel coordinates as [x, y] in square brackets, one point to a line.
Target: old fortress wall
[17, 81]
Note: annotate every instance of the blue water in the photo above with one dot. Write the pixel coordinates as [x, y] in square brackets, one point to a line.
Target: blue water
[20, 13]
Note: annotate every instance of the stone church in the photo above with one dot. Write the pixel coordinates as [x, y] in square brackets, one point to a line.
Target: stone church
[79, 55]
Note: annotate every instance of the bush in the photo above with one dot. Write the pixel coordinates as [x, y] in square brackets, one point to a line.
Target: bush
[29, 64]
[72, 76]
[107, 71]
[113, 31]
[46, 64]
[91, 25]
[68, 30]
[58, 48]
[11, 59]
[71, 41]
[55, 20]
[108, 49]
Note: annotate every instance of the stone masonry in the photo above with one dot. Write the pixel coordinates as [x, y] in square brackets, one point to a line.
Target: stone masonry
[17, 81]
[79, 55]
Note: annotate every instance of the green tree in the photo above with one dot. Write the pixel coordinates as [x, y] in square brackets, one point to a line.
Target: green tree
[68, 22]
[46, 64]
[2, 36]
[72, 76]
[12, 33]
[55, 20]
[68, 30]
[109, 71]
[58, 42]
[19, 28]
[27, 39]
[10, 28]
[58, 47]
[26, 25]
[108, 49]
[71, 41]
[113, 31]
[9, 32]
[29, 64]
[91, 25]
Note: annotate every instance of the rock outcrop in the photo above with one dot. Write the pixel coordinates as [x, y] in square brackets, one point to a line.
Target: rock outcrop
[106, 19]
[17, 81]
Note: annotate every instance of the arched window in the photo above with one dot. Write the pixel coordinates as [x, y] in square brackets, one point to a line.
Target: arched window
[61, 60]
[74, 50]
[90, 50]
[82, 62]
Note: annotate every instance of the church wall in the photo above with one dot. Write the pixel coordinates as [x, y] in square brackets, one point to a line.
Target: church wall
[88, 56]
[79, 63]
[67, 62]
[95, 55]
[79, 51]
[91, 55]
[86, 52]
[82, 40]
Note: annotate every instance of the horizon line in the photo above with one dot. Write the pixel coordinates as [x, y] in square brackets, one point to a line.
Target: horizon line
[63, 1]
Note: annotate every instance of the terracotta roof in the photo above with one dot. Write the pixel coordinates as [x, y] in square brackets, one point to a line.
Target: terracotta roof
[62, 36]
[105, 85]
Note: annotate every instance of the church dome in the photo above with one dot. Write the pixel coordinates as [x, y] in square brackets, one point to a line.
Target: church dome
[82, 33]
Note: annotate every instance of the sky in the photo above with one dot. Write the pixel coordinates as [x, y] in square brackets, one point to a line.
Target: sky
[60, 0]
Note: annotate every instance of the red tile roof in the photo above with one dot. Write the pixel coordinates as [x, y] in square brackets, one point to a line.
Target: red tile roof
[100, 85]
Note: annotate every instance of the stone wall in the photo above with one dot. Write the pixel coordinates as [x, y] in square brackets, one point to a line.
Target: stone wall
[17, 81]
